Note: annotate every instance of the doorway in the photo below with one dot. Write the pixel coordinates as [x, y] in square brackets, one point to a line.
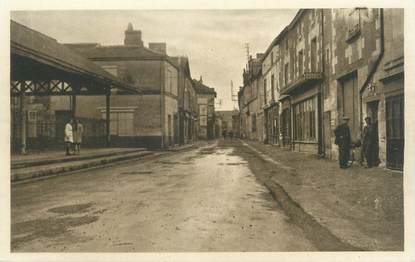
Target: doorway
[395, 132]
[350, 103]
[372, 112]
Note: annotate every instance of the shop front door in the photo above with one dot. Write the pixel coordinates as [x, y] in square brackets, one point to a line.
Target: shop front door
[395, 132]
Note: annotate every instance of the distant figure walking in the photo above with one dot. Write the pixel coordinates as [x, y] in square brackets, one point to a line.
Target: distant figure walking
[343, 141]
[370, 143]
[68, 136]
[231, 134]
[77, 136]
[224, 134]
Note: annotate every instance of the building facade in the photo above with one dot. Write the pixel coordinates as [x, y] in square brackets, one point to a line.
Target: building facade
[330, 63]
[150, 119]
[366, 76]
[206, 110]
[250, 100]
[187, 101]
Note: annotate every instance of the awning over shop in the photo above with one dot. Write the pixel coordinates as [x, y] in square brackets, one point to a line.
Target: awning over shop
[305, 79]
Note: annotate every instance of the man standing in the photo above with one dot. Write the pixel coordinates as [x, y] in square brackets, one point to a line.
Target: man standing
[68, 136]
[78, 130]
[343, 141]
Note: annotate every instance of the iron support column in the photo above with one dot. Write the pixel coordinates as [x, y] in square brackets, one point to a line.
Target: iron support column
[22, 123]
[107, 118]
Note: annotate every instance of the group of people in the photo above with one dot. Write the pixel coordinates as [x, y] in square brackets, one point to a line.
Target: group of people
[370, 145]
[73, 137]
[226, 133]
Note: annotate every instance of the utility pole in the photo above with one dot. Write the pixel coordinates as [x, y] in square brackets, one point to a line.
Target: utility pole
[234, 97]
[247, 54]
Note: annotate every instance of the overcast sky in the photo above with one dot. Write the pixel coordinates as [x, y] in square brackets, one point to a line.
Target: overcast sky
[214, 40]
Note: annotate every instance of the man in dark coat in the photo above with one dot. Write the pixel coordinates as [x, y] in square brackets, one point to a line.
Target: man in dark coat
[343, 141]
[369, 143]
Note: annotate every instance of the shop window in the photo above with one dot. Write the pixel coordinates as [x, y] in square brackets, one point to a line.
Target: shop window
[305, 121]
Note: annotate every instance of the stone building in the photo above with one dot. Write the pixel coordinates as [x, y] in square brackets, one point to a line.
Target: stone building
[187, 102]
[206, 110]
[330, 63]
[250, 100]
[271, 73]
[366, 76]
[300, 82]
[150, 119]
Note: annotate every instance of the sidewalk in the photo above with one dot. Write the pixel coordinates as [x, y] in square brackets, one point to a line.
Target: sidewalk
[55, 156]
[362, 207]
[49, 163]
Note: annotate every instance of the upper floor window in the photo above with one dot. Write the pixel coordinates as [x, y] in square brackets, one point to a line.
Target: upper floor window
[286, 74]
[112, 69]
[300, 62]
[265, 90]
[272, 87]
[353, 21]
[313, 55]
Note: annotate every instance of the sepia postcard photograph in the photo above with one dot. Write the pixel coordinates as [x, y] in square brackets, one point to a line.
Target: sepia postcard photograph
[244, 132]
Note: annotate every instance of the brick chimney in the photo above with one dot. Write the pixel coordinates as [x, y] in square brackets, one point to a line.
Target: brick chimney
[132, 37]
[158, 47]
[259, 55]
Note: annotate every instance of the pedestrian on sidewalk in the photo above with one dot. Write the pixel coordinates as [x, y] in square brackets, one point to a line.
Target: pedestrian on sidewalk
[69, 136]
[343, 141]
[369, 143]
[77, 136]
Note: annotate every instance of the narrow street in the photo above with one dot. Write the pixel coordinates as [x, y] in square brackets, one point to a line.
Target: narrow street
[204, 199]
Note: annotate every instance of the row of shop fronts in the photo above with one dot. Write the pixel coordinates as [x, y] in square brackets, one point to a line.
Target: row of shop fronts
[327, 64]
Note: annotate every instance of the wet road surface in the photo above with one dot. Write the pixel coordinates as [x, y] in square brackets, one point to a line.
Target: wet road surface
[205, 199]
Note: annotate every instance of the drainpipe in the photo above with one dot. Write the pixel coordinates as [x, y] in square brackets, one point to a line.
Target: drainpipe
[162, 102]
[375, 66]
[320, 121]
[291, 123]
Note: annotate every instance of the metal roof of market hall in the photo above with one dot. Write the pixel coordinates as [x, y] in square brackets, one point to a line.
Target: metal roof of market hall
[34, 45]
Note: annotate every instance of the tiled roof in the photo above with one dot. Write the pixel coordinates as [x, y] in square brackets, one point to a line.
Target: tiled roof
[42, 48]
[98, 52]
[200, 88]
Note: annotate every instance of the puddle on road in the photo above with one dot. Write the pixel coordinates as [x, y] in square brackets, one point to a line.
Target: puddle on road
[71, 209]
[236, 164]
[49, 227]
[137, 173]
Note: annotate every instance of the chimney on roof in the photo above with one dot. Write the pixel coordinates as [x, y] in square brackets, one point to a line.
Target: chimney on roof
[201, 80]
[259, 55]
[132, 37]
[158, 47]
